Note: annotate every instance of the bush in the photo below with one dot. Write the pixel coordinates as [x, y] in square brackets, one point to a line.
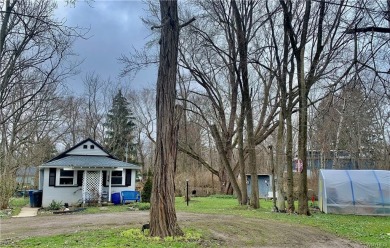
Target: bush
[142, 205]
[55, 205]
[147, 191]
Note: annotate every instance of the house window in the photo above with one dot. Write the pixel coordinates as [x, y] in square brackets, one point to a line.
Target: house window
[85, 146]
[92, 147]
[116, 177]
[128, 177]
[66, 177]
[52, 177]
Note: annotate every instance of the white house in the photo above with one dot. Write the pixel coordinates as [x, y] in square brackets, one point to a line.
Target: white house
[83, 173]
[25, 176]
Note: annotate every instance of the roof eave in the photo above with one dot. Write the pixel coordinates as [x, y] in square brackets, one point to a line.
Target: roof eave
[88, 167]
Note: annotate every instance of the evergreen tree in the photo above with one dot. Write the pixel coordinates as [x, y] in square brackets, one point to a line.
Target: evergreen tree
[120, 128]
[147, 191]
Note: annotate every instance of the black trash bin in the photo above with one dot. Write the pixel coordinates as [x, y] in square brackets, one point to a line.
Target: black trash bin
[37, 199]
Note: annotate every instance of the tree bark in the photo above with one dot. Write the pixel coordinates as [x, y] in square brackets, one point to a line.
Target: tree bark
[163, 220]
[289, 145]
[289, 160]
[280, 162]
[241, 157]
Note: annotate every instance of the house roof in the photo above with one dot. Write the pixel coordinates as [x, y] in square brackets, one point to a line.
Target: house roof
[65, 153]
[78, 161]
[74, 158]
[26, 171]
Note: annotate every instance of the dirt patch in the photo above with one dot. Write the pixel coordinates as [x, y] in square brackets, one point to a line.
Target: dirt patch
[227, 230]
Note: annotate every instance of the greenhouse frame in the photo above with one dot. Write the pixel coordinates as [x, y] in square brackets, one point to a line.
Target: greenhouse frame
[360, 192]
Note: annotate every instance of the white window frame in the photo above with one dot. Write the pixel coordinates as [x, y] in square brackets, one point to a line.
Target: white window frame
[121, 184]
[59, 178]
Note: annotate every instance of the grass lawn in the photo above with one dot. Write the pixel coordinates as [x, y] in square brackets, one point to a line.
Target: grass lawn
[369, 230]
[117, 208]
[16, 205]
[373, 231]
[115, 237]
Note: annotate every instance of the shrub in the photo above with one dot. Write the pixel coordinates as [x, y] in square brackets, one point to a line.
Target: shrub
[142, 205]
[55, 205]
[147, 191]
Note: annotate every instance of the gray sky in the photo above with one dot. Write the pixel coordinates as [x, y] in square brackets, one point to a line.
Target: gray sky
[115, 28]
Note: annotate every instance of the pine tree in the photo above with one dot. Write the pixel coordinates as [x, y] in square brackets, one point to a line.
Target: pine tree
[120, 127]
[147, 191]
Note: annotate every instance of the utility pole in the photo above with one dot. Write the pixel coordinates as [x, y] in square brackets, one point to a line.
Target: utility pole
[127, 150]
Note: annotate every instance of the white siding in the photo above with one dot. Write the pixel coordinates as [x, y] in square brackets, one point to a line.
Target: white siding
[69, 195]
[72, 195]
[80, 150]
[115, 189]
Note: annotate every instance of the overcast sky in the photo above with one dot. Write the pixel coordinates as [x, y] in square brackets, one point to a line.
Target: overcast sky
[115, 28]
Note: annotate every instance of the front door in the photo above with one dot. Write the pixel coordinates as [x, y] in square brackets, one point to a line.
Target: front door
[92, 187]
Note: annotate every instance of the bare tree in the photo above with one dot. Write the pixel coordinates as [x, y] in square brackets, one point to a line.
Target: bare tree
[142, 103]
[33, 50]
[95, 106]
[314, 28]
[216, 101]
[243, 31]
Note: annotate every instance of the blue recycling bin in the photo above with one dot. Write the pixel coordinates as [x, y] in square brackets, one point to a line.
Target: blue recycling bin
[116, 198]
[30, 194]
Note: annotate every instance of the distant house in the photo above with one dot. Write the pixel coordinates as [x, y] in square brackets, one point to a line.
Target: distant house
[341, 159]
[26, 176]
[83, 174]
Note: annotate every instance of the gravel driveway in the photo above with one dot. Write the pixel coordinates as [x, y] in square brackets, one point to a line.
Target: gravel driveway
[230, 231]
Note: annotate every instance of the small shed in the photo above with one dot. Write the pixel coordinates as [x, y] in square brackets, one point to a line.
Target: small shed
[360, 192]
[264, 182]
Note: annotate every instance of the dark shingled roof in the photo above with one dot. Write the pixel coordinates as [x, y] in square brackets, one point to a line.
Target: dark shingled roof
[80, 161]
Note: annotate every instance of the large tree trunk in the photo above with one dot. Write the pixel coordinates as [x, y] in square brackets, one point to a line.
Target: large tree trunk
[303, 207]
[289, 158]
[280, 162]
[241, 157]
[289, 146]
[163, 220]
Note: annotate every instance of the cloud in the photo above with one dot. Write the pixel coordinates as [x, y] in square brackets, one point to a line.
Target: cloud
[115, 28]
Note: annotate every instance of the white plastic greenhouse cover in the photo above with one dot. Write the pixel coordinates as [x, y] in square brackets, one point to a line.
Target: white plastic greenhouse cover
[361, 192]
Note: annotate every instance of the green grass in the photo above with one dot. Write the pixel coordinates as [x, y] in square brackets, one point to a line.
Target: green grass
[117, 208]
[373, 231]
[16, 204]
[115, 237]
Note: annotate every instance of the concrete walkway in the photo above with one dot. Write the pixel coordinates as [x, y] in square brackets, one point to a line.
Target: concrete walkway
[27, 212]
